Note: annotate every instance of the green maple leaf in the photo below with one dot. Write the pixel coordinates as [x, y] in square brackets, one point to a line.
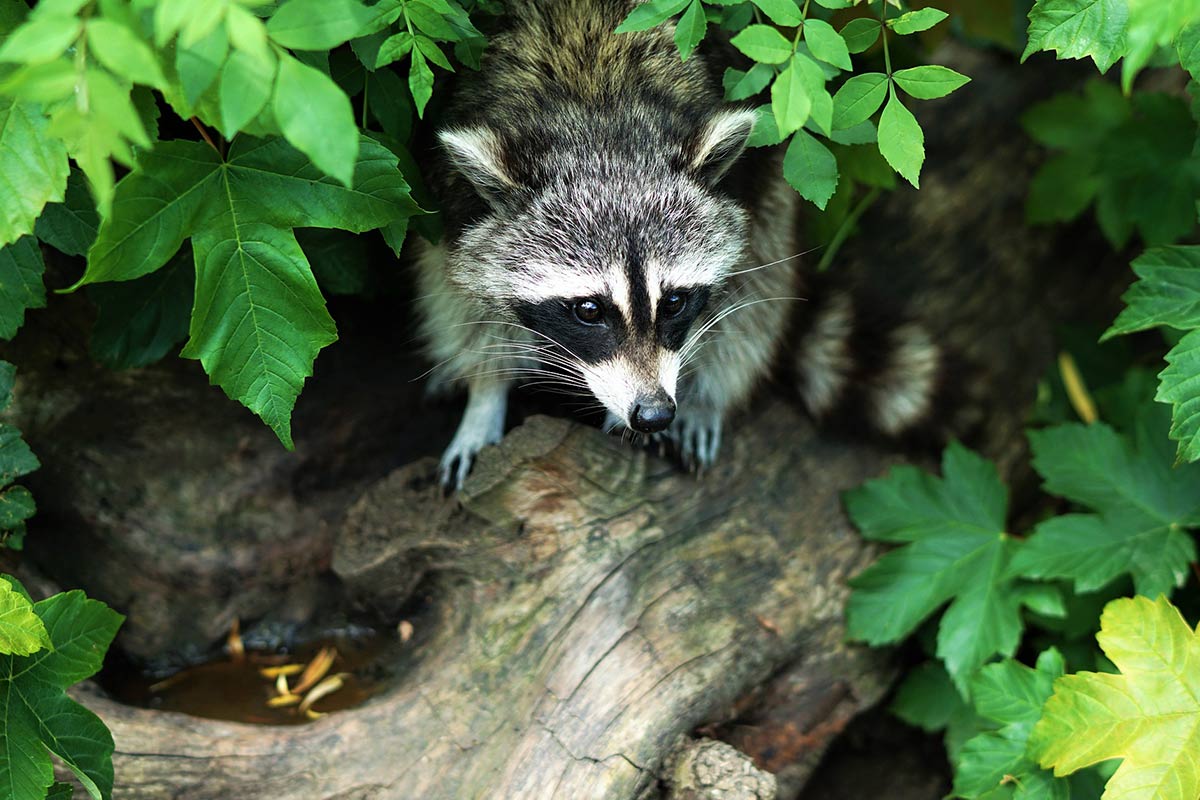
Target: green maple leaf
[955, 550]
[1142, 507]
[38, 719]
[1148, 715]
[258, 319]
[1079, 29]
[1167, 293]
[1010, 695]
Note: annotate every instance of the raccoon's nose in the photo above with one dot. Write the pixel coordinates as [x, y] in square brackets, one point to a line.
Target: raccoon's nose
[653, 414]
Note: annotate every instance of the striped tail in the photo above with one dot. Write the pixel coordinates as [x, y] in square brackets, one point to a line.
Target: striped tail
[861, 364]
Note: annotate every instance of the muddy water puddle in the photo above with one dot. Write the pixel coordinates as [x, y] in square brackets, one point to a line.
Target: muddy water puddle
[265, 688]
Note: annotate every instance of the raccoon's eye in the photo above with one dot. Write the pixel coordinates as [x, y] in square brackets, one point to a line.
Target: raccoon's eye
[588, 312]
[673, 303]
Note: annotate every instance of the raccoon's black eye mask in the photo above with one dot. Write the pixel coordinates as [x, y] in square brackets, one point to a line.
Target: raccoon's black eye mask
[677, 310]
[592, 328]
[593, 311]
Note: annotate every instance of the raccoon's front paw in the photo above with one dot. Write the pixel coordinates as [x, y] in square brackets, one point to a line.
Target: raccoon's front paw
[460, 455]
[696, 437]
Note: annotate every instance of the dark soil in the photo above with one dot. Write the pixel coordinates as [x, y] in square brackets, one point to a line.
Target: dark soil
[879, 756]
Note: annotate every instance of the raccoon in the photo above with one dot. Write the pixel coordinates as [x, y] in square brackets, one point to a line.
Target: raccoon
[607, 231]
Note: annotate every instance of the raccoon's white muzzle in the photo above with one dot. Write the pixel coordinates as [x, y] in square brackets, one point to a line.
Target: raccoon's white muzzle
[643, 399]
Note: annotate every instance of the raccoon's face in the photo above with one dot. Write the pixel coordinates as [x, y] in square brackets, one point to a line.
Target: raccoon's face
[610, 258]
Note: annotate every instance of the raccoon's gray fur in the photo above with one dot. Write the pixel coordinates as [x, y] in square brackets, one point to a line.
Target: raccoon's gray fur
[606, 230]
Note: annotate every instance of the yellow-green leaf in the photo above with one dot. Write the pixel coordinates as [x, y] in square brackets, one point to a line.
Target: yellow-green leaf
[1148, 714]
[21, 631]
[122, 51]
[33, 168]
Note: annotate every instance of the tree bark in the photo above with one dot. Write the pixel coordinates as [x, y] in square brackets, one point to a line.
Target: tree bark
[592, 606]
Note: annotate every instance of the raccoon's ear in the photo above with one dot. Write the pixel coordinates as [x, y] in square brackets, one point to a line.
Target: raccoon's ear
[479, 156]
[720, 141]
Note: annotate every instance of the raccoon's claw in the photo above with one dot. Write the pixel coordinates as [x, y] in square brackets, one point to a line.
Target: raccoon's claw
[482, 424]
[454, 470]
[697, 438]
[458, 459]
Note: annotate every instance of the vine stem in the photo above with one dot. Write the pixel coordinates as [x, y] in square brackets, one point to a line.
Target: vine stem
[843, 231]
[82, 101]
[206, 137]
[887, 57]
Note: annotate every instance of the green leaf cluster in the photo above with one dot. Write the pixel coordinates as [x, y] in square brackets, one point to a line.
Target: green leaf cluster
[973, 592]
[79, 75]
[1008, 697]
[422, 24]
[796, 53]
[1111, 30]
[258, 318]
[1134, 158]
[46, 647]
[196, 242]
[1139, 508]
[1168, 294]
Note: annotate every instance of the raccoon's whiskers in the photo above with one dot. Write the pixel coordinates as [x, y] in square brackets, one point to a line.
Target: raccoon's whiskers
[521, 327]
[546, 376]
[689, 349]
[538, 352]
[511, 355]
[519, 349]
[774, 263]
[521, 359]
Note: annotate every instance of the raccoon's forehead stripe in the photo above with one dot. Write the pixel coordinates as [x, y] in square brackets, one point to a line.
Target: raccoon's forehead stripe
[641, 313]
[536, 284]
[699, 270]
[620, 291]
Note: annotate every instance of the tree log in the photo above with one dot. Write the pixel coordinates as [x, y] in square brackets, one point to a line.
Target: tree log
[592, 605]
